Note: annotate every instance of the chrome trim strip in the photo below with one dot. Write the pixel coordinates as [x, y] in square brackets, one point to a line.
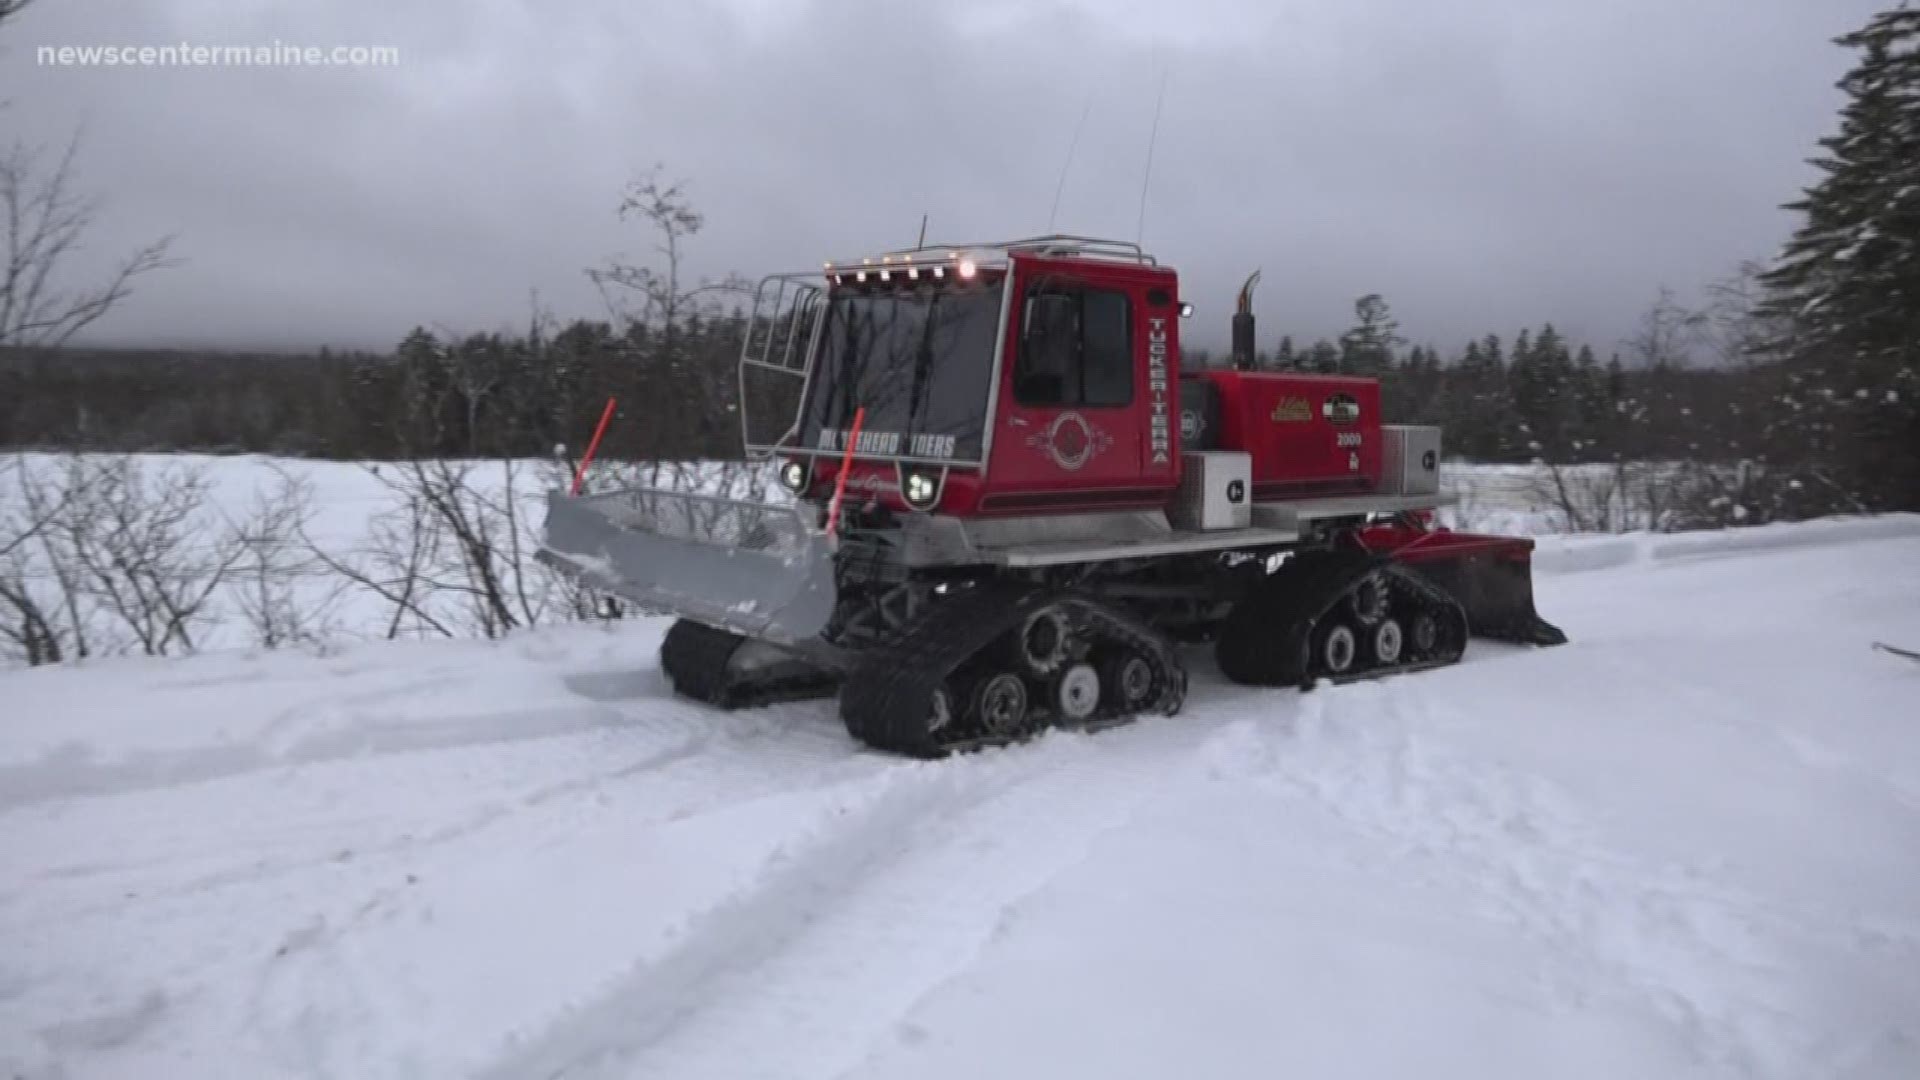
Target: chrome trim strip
[999, 362]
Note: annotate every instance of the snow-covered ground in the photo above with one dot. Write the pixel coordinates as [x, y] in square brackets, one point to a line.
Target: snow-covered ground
[1687, 844]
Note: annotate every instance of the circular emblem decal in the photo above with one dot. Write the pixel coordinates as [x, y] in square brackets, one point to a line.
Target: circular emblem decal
[1236, 491]
[1190, 425]
[1071, 441]
[1427, 461]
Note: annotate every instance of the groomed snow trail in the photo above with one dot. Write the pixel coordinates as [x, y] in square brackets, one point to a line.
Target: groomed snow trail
[1686, 844]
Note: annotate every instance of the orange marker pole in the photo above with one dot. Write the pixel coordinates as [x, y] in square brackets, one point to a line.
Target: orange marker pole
[846, 465]
[580, 473]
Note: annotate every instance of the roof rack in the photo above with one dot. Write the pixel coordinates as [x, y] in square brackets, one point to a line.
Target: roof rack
[1058, 244]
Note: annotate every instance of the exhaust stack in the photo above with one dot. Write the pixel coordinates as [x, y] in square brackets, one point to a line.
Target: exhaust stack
[1243, 354]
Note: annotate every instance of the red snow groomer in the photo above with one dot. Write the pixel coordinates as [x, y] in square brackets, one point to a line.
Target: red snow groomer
[1011, 507]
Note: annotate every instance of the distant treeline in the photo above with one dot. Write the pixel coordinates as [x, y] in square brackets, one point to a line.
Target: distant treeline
[1529, 397]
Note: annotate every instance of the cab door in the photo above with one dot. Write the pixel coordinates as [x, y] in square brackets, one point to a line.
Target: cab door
[1074, 429]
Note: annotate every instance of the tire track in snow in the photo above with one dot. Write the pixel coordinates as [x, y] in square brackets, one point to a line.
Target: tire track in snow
[823, 956]
[729, 762]
[372, 723]
[72, 772]
[734, 935]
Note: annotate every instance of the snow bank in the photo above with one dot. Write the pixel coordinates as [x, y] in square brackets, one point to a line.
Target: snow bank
[1564, 554]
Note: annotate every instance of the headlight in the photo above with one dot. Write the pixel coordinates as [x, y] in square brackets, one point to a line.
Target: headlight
[794, 475]
[921, 489]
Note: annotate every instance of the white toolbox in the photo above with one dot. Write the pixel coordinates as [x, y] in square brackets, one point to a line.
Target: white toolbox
[1409, 459]
[1216, 491]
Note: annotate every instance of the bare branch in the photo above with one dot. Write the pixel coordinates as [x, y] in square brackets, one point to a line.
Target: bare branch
[46, 221]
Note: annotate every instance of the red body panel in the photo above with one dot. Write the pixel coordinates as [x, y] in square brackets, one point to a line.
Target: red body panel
[1064, 460]
[1059, 460]
[1298, 448]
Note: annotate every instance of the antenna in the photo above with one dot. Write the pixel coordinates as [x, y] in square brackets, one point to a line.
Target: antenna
[922, 242]
[1140, 224]
[1065, 165]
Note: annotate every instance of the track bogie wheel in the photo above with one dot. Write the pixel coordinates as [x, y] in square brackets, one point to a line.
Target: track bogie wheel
[1000, 704]
[1423, 634]
[1387, 641]
[1076, 694]
[1339, 649]
[1128, 682]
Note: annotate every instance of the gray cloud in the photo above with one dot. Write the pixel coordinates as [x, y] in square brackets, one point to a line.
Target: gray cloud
[1485, 165]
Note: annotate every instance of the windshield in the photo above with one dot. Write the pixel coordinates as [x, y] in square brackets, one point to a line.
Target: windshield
[920, 363]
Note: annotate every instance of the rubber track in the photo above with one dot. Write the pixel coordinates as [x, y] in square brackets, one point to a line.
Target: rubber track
[695, 658]
[887, 699]
[1265, 639]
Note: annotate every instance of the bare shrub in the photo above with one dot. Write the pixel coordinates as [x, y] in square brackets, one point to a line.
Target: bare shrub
[282, 594]
[108, 554]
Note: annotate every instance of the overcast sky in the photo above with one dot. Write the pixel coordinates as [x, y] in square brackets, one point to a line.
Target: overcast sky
[1485, 164]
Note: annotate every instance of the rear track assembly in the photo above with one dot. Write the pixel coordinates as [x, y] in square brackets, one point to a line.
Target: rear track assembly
[1340, 615]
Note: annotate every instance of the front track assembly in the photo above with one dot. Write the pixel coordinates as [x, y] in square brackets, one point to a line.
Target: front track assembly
[999, 663]
[723, 669]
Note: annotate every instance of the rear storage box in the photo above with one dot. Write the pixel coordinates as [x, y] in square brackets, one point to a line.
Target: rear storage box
[1216, 491]
[1410, 459]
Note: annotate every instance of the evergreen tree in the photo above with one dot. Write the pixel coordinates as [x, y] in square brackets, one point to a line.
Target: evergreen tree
[1846, 288]
[1324, 357]
[1368, 347]
[1591, 406]
[1476, 415]
[1543, 398]
[1283, 357]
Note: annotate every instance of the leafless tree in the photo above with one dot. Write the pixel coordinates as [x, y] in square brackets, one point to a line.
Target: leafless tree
[146, 550]
[279, 591]
[122, 554]
[1590, 498]
[661, 298]
[10, 8]
[44, 612]
[47, 219]
[453, 554]
[1669, 334]
[392, 562]
[661, 301]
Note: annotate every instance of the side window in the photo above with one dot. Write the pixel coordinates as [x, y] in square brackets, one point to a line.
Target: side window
[1076, 349]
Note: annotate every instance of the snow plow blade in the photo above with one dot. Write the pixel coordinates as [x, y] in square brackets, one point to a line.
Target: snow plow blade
[748, 567]
[1491, 577]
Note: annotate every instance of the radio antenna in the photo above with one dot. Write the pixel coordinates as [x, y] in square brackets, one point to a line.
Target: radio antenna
[1140, 224]
[1067, 164]
[922, 242]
